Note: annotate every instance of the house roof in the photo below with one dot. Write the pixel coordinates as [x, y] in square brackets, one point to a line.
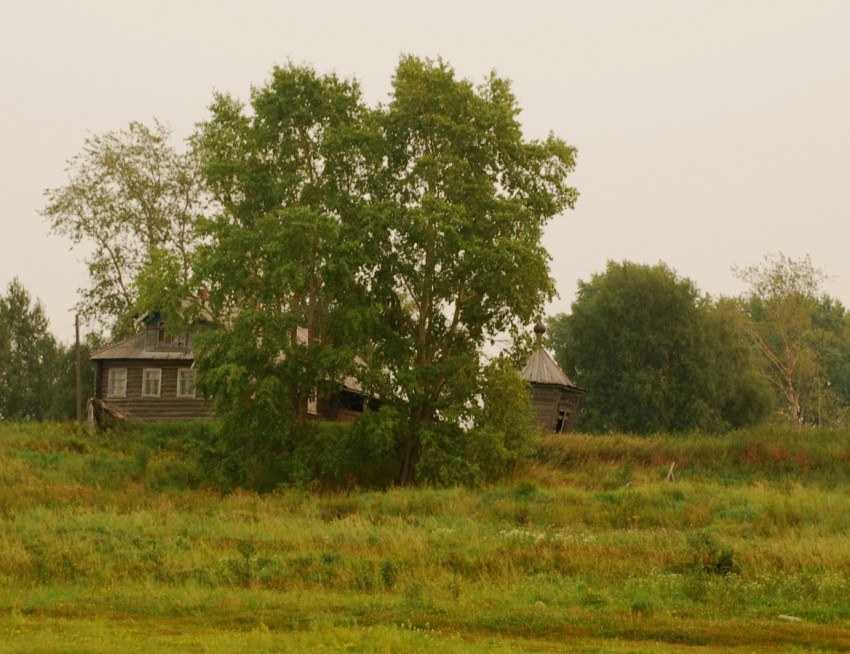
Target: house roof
[542, 369]
[134, 348]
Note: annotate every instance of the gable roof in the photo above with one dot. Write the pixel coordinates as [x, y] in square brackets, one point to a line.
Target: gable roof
[134, 348]
[542, 369]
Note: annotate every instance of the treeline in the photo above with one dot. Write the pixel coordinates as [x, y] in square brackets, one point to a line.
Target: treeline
[655, 355]
[38, 378]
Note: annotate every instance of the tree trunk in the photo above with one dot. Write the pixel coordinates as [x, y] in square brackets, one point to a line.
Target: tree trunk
[408, 465]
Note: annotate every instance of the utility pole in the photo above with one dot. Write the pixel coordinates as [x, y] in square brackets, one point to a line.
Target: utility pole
[79, 370]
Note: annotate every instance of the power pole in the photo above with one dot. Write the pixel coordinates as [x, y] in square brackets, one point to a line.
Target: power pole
[79, 370]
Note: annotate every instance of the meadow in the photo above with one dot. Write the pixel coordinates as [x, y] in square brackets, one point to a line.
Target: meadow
[115, 543]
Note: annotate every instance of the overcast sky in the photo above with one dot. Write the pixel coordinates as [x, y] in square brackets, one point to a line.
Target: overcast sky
[709, 133]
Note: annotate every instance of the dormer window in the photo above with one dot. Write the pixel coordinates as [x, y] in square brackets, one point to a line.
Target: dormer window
[179, 341]
[159, 338]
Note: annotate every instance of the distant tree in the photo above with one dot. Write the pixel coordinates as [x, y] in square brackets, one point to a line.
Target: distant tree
[451, 252]
[637, 341]
[28, 357]
[129, 193]
[740, 393]
[64, 397]
[801, 336]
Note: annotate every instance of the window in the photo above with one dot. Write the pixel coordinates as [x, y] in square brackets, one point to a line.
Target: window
[186, 382]
[180, 342]
[562, 421]
[151, 378]
[116, 382]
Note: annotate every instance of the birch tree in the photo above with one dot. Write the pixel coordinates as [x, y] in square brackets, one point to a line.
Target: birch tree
[453, 252]
[129, 193]
[285, 172]
[781, 309]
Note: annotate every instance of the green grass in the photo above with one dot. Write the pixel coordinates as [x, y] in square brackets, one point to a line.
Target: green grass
[114, 543]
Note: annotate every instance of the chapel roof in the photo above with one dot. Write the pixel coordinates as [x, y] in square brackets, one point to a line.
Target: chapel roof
[542, 369]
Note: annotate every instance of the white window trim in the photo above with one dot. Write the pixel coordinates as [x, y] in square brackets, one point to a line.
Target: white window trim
[111, 379]
[181, 372]
[145, 372]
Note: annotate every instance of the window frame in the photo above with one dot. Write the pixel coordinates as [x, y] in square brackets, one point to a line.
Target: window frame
[181, 373]
[112, 378]
[145, 372]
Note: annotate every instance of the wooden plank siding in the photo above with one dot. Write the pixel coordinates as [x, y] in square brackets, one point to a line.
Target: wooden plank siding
[554, 397]
[544, 400]
[548, 401]
[165, 407]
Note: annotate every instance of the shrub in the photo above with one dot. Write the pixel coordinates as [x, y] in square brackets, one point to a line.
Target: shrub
[335, 455]
[500, 440]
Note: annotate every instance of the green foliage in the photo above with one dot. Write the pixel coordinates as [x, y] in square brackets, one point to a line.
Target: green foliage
[452, 250]
[655, 356]
[637, 342]
[506, 409]
[408, 235]
[499, 441]
[129, 193]
[30, 360]
[320, 455]
[64, 404]
[742, 395]
[162, 287]
[709, 557]
[281, 176]
[802, 338]
[343, 456]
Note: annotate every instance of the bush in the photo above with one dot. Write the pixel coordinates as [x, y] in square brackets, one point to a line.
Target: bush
[320, 454]
[501, 439]
[336, 455]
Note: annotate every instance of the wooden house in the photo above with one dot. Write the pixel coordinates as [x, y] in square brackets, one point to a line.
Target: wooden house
[151, 376]
[346, 403]
[554, 397]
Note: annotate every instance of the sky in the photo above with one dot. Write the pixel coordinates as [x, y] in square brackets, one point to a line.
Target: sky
[709, 133]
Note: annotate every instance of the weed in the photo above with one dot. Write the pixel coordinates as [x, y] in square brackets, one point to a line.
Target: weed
[389, 574]
[711, 557]
[417, 597]
[243, 568]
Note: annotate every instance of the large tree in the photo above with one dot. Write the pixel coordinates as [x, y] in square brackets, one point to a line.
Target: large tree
[408, 234]
[801, 335]
[130, 193]
[286, 175]
[29, 357]
[452, 250]
[638, 342]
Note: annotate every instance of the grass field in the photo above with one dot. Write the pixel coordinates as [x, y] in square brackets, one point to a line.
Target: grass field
[114, 544]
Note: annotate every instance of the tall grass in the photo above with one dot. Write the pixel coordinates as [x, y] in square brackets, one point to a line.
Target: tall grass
[768, 454]
[120, 535]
